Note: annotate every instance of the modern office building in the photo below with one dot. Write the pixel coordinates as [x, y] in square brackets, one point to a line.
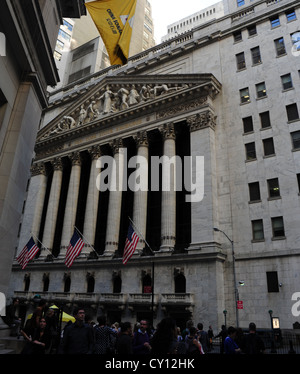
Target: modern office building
[224, 98]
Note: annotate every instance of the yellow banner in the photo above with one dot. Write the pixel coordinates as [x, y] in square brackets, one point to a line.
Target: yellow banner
[114, 20]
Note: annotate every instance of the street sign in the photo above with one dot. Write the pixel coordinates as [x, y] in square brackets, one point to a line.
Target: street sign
[240, 304]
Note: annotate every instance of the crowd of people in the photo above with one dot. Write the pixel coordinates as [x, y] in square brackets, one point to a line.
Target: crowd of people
[85, 336]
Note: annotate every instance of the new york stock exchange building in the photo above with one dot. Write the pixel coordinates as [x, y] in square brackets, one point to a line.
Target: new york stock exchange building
[204, 125]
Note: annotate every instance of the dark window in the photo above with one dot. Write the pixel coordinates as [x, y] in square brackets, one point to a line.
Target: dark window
[90, 284]
[250, 151]
[254, 191]
[46, 282]
[257, 229]
[180, 284]
[286, 81]
[265, 119]
[261, 90]
[290, 15]
[237, 36]
[272, 281]
[67, 286]
[292, 112]
[248, 124]
[298, 180]
[256, 57]
[240, 61]
[268, 147]
[275, 21]
[278, 227]
[296, 139]
[280, 47]
[252, 30]
[147, 284]
[273, 187]
[117, 285]
[26, 283]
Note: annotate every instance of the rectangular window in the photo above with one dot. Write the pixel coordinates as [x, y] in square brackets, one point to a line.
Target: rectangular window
[244, 95]
[68, 25]
[296, 139]
[298, 180]
[280, 47]
[265, 120]
[261, 90]
[254, 191]
[240, 2]
[286, 81]
[256, 57]
[273, 188]
[3, 106]
[272, 281]
[252, 30]
[250, 151]
[240, 61]
[292, 112]
[268, 147]
[290, 15]
[275, 21]
[57, 55]
[277, 227]
[64, 35]
[248, 124]
[258, 229]
[237, 36]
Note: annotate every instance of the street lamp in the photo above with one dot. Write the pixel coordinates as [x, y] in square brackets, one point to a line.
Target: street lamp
[234, 275]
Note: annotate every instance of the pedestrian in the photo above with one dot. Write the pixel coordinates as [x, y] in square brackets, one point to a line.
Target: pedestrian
[105, 337]
[253, 343]
[11, 318]
[141, 339]
[203, 337]
[230, 346]
[52, 327]
[78, 338]
[210, 337]
[193, 346]
[124, 340]
[164, 340]
[38, 314]
[41, 338]
[222, 334]
[186, 331]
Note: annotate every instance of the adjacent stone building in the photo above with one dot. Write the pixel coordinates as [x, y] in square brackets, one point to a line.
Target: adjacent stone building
[226, 94]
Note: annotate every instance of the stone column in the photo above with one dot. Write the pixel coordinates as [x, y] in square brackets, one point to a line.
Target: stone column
[168, 203]
[71, 204]
[141, 190]
[115, 199]
[34, 205]
[91, 210]
[204, 212]
[52, 208]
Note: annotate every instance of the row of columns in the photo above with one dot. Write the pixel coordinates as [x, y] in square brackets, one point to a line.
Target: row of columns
[168, 210]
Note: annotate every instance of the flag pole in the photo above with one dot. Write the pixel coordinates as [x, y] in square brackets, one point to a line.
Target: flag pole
[88, 243]
[152, 288]
[43, 246]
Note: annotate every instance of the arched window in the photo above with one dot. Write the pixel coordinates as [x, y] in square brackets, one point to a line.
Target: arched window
[46, 282]
[180, 283]
[117, 284]
[147, 284]
[26, 282]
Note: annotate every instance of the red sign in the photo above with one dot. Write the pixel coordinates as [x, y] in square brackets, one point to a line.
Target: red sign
[147, 289]
[240, 304]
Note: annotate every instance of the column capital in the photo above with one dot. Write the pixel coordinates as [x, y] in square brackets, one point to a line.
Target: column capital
[116, 144]
[57, 164]
[141, 139]
[75, 158]
[95, 152]
[168, 131]
[201, 121]
[37, 169]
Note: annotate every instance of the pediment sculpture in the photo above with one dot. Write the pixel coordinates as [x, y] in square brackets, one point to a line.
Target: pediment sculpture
[110, 100]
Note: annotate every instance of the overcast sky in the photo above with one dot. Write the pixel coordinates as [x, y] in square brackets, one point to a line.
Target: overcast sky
[165, 12]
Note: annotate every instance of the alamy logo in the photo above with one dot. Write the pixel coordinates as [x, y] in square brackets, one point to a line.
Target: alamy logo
[2, 304]
[296, 306]
[2, 45]
[177, 174]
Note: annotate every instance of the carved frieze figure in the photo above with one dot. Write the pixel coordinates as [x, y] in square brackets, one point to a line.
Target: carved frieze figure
[82, 115]
[106, 99]
[65, 124]
[92, 111]
[133, 97]
[123, 95]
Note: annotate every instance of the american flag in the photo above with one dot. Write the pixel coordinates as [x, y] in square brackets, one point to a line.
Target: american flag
[27, 253]
[74, 248]
[130, 244]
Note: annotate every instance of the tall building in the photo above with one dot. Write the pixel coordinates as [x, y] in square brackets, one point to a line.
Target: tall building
[28, 36]
[224, 98]
[80, 50]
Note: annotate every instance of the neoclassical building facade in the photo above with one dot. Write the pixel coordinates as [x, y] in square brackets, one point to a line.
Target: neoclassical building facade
[195, 140]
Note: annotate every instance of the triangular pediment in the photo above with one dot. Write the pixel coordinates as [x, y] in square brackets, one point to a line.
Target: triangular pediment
[124, 96]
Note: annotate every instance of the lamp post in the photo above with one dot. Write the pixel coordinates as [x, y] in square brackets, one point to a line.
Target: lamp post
[234, 275]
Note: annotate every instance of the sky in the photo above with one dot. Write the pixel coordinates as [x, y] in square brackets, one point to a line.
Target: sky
[165, 12]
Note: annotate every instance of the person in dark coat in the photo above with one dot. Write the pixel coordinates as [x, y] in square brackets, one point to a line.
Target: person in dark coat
[141, 339]
[124, 342]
